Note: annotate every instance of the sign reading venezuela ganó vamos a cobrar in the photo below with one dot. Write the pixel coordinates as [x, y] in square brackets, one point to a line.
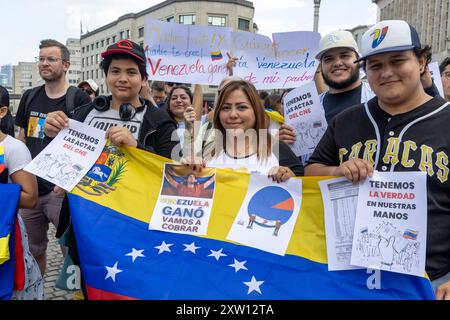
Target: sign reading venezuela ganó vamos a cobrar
[122, 259]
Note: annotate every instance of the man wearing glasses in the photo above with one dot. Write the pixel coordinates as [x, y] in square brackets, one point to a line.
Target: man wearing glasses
[444, 68]
[36, 103]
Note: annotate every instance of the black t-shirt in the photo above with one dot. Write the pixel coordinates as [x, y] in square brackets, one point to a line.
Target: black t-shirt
[33, 123]
[335, 103]
[424, 146]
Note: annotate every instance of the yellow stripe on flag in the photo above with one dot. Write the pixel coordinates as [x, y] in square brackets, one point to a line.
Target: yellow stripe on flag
[4, 249]
[137, 191]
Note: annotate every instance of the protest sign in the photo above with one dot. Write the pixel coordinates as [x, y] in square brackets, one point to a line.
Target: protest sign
[304, 112]
[185, 201]
[287, 62]
[69, 156]
[268, 214]
[198, 54]
[391, 223]
[186, 53]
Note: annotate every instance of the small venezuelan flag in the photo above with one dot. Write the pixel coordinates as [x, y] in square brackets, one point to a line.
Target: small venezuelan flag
[410, 234]
[216, 55]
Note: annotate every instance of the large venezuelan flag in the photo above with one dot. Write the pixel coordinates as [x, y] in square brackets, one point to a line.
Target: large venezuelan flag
[122, 259]
[9, 199]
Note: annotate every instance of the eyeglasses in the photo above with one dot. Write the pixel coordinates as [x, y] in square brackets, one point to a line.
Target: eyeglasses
[446, 75]
[50, 59]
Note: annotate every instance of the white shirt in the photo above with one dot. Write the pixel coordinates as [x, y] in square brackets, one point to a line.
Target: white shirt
[249, 164]
[111, 117]
[16, 154]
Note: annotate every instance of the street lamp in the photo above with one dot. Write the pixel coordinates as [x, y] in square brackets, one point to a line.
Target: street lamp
[316, 15]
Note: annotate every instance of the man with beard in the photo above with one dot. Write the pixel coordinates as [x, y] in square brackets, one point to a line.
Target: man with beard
[36, 103]
[338, 52]
[337, 55]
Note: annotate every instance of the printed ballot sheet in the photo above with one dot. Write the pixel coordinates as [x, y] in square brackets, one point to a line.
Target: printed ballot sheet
[340, 198]
[268, 214]
[70, 155]
[391, 223]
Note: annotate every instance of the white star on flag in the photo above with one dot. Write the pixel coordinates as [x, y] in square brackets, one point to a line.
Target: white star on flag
[164, 247]
[253, 285]
[135, 254]
[238, 265]
[217, 254]
[191, 247]
[112, 271]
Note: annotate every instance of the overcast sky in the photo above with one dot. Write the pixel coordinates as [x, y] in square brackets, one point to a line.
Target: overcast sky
[26, 22]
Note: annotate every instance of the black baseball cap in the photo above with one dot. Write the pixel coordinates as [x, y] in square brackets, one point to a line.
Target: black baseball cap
[4, 97]
[127, 47]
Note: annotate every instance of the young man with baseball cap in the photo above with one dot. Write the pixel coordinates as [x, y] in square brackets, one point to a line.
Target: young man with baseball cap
[401, 129]
[126, 118]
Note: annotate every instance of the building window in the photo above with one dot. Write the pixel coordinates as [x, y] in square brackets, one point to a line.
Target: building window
[122, 35]
[92, 59]
[114, 39]
[217, 21]
[170, 19]
[128, 34]
[141, 44]
[103, 43]
[96, 74]
[82, 50]
[82, 62]
[107, 41]
[87, 48]
[187, 19]
[243, 24]
[92, 46]
[96, 44]
[141, 32]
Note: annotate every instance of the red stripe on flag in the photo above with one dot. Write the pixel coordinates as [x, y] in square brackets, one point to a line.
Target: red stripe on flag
[19, 262]
[96, 294]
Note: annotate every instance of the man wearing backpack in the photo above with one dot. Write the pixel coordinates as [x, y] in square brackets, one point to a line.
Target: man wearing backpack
[36, 103]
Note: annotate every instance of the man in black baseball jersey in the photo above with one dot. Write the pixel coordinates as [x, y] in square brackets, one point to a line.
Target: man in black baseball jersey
[36, 103]
[401, 129]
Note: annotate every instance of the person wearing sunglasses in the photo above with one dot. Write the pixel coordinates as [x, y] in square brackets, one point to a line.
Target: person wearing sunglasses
[90, 87]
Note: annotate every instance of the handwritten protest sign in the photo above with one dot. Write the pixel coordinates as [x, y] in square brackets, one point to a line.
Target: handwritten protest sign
[391, 223]
[287, 62]
[67, 159]
[185, 200]
[303, 111]
[186, 53]
[198, 54]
